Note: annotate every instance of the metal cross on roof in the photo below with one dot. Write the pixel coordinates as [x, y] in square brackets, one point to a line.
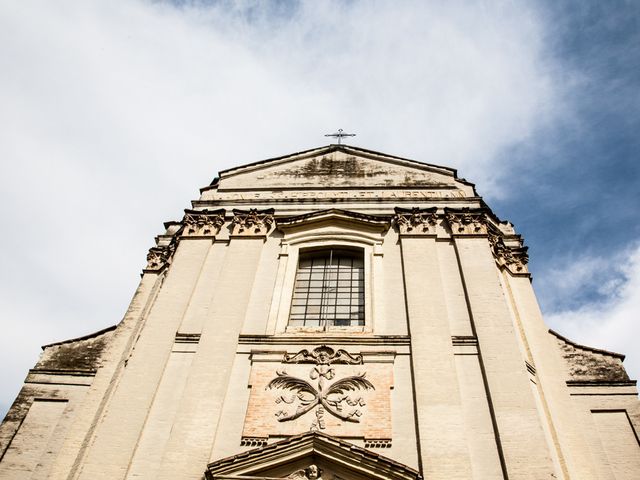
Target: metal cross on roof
[340, 135]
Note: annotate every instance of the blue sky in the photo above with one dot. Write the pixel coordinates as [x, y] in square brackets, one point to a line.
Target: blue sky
[114, 114]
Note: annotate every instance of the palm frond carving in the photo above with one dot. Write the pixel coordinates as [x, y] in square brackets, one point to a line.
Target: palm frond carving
[295, 384]
[350, 384]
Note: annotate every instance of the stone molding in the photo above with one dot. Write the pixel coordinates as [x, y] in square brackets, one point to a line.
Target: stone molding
[346, 458]
[202, 223]
[416, 221]
[252, 222]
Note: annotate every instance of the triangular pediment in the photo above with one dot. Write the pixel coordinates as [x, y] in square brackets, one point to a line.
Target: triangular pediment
[339, 166]
[295, 458]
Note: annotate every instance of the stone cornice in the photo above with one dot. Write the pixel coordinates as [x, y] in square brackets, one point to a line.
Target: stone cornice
[375, 222]
[313, 339]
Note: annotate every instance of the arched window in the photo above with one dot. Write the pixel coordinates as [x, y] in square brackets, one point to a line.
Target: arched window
[329, 289]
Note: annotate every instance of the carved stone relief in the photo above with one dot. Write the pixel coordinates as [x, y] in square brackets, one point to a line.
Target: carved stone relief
[467, 222]
[334, 398]
[202, 222]
[312, 472]
[324, 389]
[159, 257]
[416, 221]
[252, 222]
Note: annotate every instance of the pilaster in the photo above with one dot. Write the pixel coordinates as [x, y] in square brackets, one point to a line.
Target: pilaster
[518, 426]
[122, 421]
[191, 440]
[566, 422]
[443, 447]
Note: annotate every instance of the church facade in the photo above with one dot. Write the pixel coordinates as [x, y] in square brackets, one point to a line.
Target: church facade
[336, 313]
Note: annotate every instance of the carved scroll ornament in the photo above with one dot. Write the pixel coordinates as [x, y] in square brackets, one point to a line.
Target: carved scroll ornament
[467, 222]
[335, 398]
[203, 222]
[416, 221]
[252, 222]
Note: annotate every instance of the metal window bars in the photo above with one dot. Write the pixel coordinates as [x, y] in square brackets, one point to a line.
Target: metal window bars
[329, 289]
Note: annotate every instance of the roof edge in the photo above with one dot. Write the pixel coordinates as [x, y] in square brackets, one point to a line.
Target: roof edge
[586, 347]
[84, 337]
[343, 148]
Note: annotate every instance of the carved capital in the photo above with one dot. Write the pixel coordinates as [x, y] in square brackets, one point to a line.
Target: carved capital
[416, 221]
[513, 258]
[198, 223]
[252, 222]
[467, 222]
[159, 258]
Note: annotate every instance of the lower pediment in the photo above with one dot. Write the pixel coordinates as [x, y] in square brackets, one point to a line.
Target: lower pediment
[312, 456]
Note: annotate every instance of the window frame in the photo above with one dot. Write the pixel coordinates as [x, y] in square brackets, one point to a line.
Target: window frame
[323, 229]
[279, 314]
[326, 321]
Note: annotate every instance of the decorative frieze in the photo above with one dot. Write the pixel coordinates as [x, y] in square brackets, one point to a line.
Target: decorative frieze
[466, 222]
[252, 222]
[416, 221]
[202, 223]
[159, 257]
[513, 258]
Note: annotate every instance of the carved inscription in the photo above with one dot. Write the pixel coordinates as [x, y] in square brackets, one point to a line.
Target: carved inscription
[330, 194]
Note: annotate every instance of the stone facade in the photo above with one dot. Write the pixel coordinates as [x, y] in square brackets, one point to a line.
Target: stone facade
[443, 370]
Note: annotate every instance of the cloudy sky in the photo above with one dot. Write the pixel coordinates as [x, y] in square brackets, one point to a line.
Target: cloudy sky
[113, 114]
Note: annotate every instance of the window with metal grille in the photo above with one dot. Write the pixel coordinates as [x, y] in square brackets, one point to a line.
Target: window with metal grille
[329, 289]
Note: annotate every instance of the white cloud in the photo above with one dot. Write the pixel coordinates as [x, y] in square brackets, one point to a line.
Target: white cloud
[611, 323]
[114, 113]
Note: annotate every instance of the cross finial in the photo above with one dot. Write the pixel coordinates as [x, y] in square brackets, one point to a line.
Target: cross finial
[340, 135]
